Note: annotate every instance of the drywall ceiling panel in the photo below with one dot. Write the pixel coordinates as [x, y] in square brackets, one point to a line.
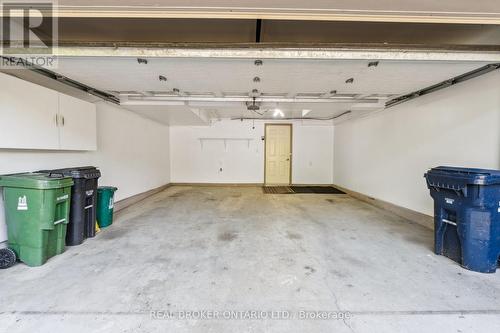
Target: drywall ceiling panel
[478, 6]
[147, 32]
[142, 30]
[171, 115]
[380, 33]
[381, 10]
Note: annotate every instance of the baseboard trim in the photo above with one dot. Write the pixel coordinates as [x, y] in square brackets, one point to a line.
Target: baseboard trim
[240, 184]
[217, 184]
[305, 185]
[411, 215]
[122, 204]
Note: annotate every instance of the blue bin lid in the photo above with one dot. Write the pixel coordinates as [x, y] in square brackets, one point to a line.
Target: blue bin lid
[473, 176]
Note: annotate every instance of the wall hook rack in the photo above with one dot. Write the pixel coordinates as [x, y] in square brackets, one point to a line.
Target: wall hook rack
[225, 141]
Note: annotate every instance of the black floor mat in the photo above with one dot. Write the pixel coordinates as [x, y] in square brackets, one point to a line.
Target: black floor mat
[316, 189]
[277, 190]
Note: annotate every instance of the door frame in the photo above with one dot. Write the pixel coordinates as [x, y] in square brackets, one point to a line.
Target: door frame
[265, 149]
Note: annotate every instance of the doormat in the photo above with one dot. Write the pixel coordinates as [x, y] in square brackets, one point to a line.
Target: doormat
[277, 190]
[316, 190]
[301, 190]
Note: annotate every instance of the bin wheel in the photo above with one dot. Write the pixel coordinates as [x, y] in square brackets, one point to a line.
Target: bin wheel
[7, 258]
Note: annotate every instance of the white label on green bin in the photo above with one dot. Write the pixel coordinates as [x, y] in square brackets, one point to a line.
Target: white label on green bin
[22, 203]
[64, 197]
[449, 201]
[111, 203]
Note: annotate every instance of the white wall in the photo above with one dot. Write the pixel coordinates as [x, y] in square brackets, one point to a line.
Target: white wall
[386, 155]
[132, 154]
[312, 161]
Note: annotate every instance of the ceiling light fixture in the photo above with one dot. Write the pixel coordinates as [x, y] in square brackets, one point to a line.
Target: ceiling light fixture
[278, 112]
[175, 90]
[351, 80]
[162, 78]
[256, 79]
[258, 62]
[252, 106]
[142, 61]
[373, 64]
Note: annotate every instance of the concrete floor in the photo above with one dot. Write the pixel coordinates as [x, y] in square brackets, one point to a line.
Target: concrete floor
[237, 249]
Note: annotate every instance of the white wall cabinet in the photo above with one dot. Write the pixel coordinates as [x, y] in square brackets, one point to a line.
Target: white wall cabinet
[35, 117]
[77, 124]
[27, 115]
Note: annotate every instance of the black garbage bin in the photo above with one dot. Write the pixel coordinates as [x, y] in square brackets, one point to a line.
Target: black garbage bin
[83, 202]
[466, 215]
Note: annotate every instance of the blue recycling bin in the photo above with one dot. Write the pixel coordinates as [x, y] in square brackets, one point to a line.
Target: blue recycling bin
[466, 216]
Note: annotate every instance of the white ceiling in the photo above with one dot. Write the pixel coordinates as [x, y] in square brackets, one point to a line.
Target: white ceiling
[287, 77]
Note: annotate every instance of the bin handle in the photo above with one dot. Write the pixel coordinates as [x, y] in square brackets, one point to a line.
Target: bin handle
[461, 191]
[56, 173]
[449, 222]
[59, 221]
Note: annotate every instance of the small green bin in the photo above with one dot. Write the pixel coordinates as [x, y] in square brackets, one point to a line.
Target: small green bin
[37, 212]
[105, 205]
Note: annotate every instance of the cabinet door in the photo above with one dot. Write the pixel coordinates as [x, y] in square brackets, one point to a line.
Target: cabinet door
[27, 115]
[77, 123]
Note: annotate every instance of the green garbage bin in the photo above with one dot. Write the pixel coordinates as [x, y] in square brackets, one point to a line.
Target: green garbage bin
[37, 212]
[105, 205]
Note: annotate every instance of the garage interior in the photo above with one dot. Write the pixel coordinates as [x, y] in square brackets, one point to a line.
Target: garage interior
[224, 128]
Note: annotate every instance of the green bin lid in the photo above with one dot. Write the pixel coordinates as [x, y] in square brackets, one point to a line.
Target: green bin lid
[40, 181]
[107, 189]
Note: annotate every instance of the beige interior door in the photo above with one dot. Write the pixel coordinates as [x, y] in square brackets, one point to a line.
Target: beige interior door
[278, 156]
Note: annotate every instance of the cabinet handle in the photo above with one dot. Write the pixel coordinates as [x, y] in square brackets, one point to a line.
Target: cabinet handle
[62, 120]
[57, 120]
